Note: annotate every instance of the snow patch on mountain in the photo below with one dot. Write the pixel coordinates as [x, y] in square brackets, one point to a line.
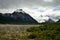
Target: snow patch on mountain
[43, 14]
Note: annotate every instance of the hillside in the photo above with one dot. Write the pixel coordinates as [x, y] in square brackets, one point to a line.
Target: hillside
[17, 18]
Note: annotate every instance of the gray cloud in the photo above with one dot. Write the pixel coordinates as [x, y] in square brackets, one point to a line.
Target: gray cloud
[4, 4]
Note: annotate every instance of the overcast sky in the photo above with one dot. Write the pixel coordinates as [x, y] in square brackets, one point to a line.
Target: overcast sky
[14, 4]
[11, 5]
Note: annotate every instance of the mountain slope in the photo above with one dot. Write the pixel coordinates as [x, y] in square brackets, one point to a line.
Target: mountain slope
[17, 17]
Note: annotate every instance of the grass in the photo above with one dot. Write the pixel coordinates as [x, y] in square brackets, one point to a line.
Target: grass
[14, 32]
[48, 31]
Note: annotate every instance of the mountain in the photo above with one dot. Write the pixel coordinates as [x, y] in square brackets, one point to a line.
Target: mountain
[18, 16]
[31, 15]
[59, 20]
[50, 21]
[53, 14]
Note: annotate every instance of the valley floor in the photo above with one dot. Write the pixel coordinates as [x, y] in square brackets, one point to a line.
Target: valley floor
[46, 31]
[14, 32]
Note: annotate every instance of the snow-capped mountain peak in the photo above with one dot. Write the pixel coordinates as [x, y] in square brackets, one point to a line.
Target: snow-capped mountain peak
[20, 10]
[43, 14]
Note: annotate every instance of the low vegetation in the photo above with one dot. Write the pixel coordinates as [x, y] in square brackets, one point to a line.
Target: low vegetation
[48, 31]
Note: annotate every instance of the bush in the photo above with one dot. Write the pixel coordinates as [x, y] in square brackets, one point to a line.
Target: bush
[45, 35]
[33, 29]
[32, 36]
[50, 31]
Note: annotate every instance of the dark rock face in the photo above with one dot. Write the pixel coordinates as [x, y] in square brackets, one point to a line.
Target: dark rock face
[58, 21]
[17, 17]
[49, 21]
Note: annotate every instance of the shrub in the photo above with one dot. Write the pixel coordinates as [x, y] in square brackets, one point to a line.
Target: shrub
[50, 31]
[32, 36]
[33, 29]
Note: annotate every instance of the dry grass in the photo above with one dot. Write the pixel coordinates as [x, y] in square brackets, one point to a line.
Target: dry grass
[14, 32]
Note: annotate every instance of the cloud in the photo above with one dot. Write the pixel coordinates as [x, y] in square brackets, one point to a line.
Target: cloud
[4, 4]
[11, 5]
[48, 0]
[53, 14]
